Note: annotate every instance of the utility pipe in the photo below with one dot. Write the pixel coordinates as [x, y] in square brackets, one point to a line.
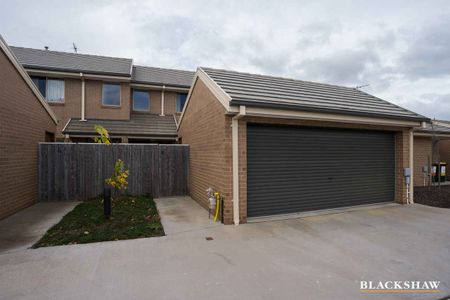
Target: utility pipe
[162, 100]
[83, 98]
[235, 159]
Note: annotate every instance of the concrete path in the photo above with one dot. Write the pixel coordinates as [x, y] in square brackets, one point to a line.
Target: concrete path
[183, 215]
[23, 229]
[320, 257]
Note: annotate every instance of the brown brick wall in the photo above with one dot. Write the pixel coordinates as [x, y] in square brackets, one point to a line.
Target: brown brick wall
[444, 151]
[23, 123]
[402, 143]
[94, 107]
[170, 103]
[72, 104]
[208, 133]
[422, 157]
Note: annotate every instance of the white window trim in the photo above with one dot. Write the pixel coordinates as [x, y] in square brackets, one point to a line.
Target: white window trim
[149, 100]
[120, 94]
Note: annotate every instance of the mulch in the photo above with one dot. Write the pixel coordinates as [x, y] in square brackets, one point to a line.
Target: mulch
[433, 196]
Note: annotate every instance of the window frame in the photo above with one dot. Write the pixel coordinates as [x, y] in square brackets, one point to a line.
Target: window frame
[46, 78]
[178, 100]
[149, 99]
[120, 94]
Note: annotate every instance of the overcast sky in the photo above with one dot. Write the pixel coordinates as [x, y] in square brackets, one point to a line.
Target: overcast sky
[400, 48]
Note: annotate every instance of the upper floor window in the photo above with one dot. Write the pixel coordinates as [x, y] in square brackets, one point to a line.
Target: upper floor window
[51, 89]
[181, 100]
[141, 100]
[111, 94]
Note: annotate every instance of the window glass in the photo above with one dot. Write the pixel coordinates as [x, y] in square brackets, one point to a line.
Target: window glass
[141, 100]
[40, 84]
[111, 94]
[181, 100]
[55, 90]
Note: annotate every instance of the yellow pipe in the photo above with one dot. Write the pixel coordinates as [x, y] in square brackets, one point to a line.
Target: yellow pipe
[217, 205]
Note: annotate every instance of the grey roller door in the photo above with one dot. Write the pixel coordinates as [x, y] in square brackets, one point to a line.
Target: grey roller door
[294, 169]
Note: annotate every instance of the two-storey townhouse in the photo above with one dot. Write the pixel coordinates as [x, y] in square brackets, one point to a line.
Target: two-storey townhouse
[137, 104]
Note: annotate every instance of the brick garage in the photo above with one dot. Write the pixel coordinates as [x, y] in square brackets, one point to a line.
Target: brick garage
[25, 120]
[219, 100]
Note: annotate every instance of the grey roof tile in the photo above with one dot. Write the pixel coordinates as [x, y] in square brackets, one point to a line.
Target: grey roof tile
[159, 76]
[139, 125]
[73, 62]
[268, 91]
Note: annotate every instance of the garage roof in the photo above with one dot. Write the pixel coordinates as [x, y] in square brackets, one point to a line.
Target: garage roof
[139, 125]
[277, 92]
[160, 76]
[73, 62]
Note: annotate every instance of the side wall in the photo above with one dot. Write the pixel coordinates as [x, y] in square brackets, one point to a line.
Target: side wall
[207, 131]
[444, 151]
[422, 157]
[23, 123]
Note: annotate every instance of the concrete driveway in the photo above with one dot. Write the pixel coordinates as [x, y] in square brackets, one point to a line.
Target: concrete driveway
[320, 257]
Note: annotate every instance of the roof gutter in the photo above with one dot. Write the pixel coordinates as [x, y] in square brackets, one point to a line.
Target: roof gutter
[336, 117]
[235, 159]
[294, 107]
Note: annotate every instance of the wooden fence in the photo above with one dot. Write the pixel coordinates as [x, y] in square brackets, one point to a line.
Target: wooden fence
[78, 171]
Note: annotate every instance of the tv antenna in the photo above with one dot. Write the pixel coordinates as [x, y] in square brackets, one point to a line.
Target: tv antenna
[358, 87]
[75, 49]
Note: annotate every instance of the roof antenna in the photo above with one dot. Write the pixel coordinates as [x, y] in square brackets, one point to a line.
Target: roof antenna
[46, 48]
[75, 47]
[358, 87]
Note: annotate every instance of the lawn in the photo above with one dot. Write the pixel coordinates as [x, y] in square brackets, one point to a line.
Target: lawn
[132, 217]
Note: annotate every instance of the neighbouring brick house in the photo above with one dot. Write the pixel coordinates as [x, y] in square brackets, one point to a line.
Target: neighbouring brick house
[431, 145]
[276, 146]
[137, 104]
[25, 120]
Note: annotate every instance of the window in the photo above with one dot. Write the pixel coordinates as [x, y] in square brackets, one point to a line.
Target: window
[141, 100]
[41, 83]
[51, 89]
[55, 90]
[181, 100]
[111, 94]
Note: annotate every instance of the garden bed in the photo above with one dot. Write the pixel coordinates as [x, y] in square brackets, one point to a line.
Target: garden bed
[132, 217]
[433, 196]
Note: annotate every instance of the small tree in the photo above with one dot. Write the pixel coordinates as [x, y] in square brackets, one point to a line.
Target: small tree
[118, 180]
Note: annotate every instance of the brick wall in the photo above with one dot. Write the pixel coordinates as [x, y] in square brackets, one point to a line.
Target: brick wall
[96, 110]
[422, 157]
[444, 151]
[170, 103]
[208, 132]
[23, 123]
[71, 108]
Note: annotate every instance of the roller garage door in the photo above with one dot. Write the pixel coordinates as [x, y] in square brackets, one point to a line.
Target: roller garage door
[294, 169]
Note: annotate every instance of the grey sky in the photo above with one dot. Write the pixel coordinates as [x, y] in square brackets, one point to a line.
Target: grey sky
[401, 48]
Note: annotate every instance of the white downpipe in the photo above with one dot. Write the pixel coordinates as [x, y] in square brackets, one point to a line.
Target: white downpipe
[162, 100]
[83, 98]
[411, 165]
[235, 155]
